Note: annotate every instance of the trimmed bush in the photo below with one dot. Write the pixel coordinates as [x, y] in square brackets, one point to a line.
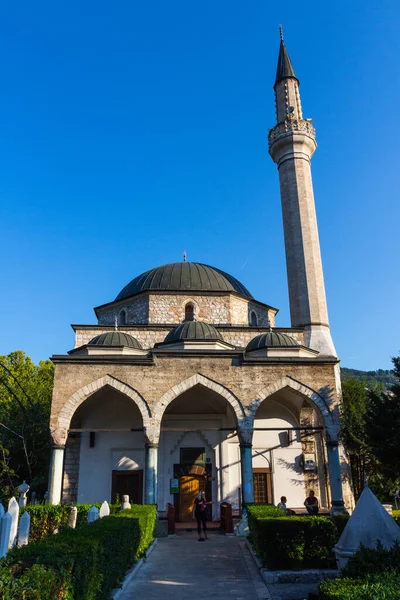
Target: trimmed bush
[294, 542]
[85, 563]
[373, 561]
[45, 518]
[340, 522]
[380, 587]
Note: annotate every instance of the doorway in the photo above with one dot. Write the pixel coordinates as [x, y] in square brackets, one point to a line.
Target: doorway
[127, 483]
[190, 488]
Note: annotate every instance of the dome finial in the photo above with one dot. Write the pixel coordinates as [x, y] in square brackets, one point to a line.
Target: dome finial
[184, 256]
[116, 323]
[281, 32]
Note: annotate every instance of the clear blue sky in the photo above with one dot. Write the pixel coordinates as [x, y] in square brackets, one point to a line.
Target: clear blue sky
[131, 131]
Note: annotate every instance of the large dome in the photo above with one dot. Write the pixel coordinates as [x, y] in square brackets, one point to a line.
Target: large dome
[184, 276]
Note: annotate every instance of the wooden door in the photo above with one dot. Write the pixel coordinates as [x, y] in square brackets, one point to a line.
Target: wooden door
[128, 483]
[190, 487]
[262, 486]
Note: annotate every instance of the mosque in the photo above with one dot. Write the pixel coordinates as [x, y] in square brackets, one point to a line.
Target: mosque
[186, 383]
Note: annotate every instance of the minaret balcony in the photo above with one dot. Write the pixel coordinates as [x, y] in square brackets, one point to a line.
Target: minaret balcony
[290, 127]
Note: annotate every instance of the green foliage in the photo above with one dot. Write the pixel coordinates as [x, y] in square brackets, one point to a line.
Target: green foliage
[340, 522]
[25, 400]
[85, 563]
[380, 379]
[369, 561]
[45, 518]
[35, 583]
[379, 587]
[370, 573]
[294, 542]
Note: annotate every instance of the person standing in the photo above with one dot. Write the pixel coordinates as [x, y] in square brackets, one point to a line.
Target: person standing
[311, 503]
[200, 514]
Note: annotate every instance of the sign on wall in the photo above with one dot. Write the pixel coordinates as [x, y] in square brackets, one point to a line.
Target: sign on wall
[174, 486]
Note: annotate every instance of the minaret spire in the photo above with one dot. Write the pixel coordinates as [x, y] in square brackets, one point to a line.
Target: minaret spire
[291, 145]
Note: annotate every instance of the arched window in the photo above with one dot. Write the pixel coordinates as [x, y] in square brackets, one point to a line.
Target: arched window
[253, 319]
[189, 312]
[122, 317]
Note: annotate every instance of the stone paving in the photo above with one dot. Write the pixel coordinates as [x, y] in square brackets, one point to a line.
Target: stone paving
[183, 568]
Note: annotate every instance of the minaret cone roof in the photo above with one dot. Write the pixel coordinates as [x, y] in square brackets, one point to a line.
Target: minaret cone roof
[285, 68]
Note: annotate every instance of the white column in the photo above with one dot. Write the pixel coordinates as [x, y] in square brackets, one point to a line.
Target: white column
[247, 472]
[150, 475]
[335, 478]
[56, 474]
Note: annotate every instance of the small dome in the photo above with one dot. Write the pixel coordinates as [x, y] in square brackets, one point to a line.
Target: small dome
[271, 339]
[115, 338]
[184, 276]
[193, 330]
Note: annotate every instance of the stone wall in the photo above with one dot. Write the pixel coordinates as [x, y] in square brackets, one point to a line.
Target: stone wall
[243, 383]
[71, 468]
[170, 308]
[148, 337]
[136, 310]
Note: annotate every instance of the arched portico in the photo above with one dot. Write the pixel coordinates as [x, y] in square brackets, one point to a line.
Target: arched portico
[200, 416]
[110, 421]
[285, 391]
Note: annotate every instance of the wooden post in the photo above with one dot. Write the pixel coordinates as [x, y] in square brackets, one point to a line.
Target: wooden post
[171, 519]
[226, 517]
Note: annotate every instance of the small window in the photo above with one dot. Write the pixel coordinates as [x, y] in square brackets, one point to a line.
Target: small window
[253, 319]
[122, 317]
[189, 312]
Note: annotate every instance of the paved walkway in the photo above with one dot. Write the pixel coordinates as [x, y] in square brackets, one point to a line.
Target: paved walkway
[182, 568]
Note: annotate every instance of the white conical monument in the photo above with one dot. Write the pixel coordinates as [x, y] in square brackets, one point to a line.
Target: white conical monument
[369, 523]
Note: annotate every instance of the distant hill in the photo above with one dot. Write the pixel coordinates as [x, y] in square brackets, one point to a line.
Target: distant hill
[380, 378]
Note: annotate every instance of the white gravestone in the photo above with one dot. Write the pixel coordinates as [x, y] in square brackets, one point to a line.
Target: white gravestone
[93, 514]
[23, 533]
[369, 523]
[23, 490]
[104, 510]
[13, 510]
[72, 517]
[125, 503]
[5, 524]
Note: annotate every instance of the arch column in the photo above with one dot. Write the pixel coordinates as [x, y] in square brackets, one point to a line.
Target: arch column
[335, 477]
[56, 474]
[246, 463]
[150, 473]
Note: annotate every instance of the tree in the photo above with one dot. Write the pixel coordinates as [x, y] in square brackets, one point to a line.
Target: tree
[382, 428]
[353, 434]
[25, 401]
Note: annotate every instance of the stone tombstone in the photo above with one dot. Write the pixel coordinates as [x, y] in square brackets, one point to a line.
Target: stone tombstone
[23, 533]
[23, 490]
[242, 528]
[72, 517]
[5, 523]
[33, 498]
[13, 511]
[368, 523]
[104, 510]
[125, 503]
[93, 514]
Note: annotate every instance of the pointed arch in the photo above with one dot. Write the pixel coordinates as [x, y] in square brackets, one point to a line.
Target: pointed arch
[330, 421]
[74, 401]
[199, 379]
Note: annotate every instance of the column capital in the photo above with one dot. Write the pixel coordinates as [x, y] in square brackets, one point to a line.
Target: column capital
[332, 443]
[245, 444]
[151, 444]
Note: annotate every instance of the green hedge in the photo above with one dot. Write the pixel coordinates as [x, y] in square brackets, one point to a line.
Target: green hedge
[46, 518]
[78, 564]
[294, 542]
[380, 587]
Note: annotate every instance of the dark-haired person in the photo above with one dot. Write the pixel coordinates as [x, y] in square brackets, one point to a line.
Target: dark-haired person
[311, 503]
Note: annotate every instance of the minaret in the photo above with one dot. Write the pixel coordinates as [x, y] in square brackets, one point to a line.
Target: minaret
[291, 145]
